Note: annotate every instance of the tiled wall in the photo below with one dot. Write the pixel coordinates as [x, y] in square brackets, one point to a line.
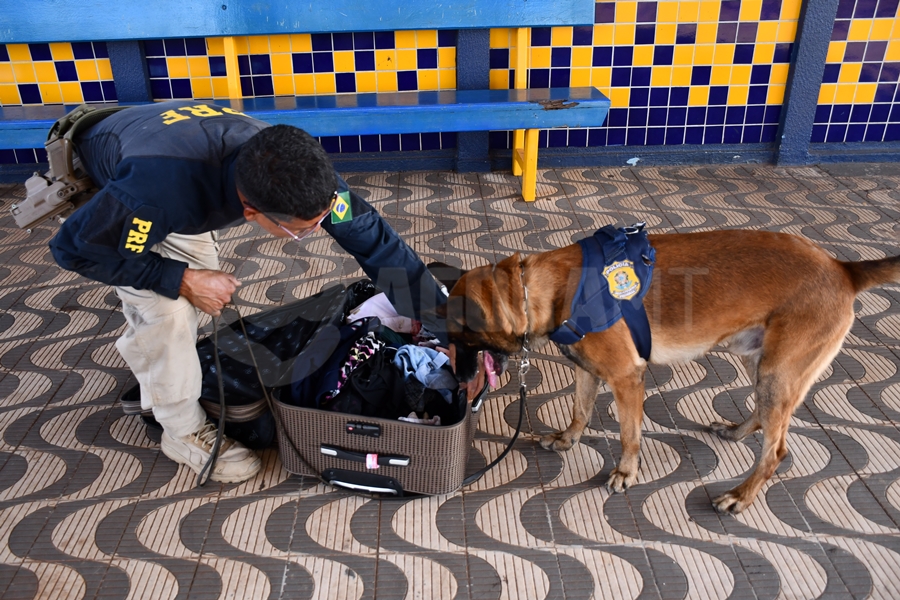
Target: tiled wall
[858, 100]
[702, 72]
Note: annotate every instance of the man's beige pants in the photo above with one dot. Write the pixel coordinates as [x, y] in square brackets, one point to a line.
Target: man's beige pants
[159, 343]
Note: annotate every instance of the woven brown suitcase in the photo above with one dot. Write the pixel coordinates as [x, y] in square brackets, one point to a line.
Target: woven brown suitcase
[377, 455]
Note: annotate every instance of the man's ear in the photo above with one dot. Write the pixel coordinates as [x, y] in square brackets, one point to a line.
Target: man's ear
[250, 213]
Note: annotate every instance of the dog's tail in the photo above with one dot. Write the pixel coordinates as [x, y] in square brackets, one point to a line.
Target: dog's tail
[867, 274]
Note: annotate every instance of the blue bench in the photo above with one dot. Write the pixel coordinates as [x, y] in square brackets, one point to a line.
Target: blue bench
[523, 110]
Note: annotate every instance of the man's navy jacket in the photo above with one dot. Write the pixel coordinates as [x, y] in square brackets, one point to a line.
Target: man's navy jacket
[169, 168]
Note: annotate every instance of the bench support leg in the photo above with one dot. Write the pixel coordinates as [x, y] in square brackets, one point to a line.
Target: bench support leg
[527, 159]
[232, 70]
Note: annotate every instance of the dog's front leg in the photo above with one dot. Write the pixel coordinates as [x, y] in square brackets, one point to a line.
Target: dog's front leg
[628, 391]
[586, 385]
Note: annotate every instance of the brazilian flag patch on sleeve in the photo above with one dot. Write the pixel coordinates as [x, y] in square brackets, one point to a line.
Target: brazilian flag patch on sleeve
[341, 211]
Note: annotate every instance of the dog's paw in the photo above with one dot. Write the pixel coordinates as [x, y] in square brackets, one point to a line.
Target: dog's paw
[557, 442]
[619, 481]
[723, 430]
[731, 503]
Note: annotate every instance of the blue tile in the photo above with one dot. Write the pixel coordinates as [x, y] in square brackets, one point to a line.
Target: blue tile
[656, 136]
[636, 136]
[540, 36]
[323, 62]
[174, 47]
[639, 97]
[243, 65]
[640, 76]
[384, 40]
[663, 55]
[892, 133]
[841, 113]
[154, 48]
[758, 94]
[4, 53]
[498, 140]
[730, 11]
[845, 9]
[644, 34]
[700, 75]
[890, 72]
[369, 143]
[331, 143]
[875, 132]
[66, 71]
[760, 74]
[349, 143]
[321, 42]
[686, 33]
[658, 117]
[431, 141]
[621, 77]
[596, 137]
[659, 97]
[718, 94]
[100, 50]
[865, 9]
[82, 50]
[30, 93]
[344, 82]
[92, 92]
[715, 115]
[615, 137]
[875, 51]
[755, 115]
[752, 134]
[448, 139]
[604, 12]
[617, 117]
[499, 58]
[246, 86]
[302, 62]
[823, 114]
[559, 78]
[746, 33]
[364, 41]
[782, 53]
[887, 9]
[696, 115]
[407, 81]
[734, 134]
[578, 138]
[193, 46]
[855, 133]
[840, 31]
[542, 138]
[364, 60]
[602, 56]
[217, 66]
[713, 135]
[342, 41]
[561, 57]
[109, 91]
[410, 142]
[262, 86]
[646, 12]
[734, 115]
[836, 133]
[693, 135]
[582, 35]
[511, 80]
[773, 114]
[895, 114]
[637, 117]
[854, 51]
[769, 133]
[7, 157]
[260, 64]
[557, 138]
[40, 52]
[832, 73]
[623, 56]
[155, 66]
[25, 156]
[539, 78]
[726, 33]
[160, 89]
[870, 72]
[427, 58]
[743, 54]
[679, 96]
[675, 136]
[447, 39]
[181, 88]
[880, 113]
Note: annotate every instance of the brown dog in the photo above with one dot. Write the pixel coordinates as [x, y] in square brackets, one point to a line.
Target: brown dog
[778, 301]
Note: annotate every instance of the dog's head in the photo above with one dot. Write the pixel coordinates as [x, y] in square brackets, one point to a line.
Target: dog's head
[485, 312]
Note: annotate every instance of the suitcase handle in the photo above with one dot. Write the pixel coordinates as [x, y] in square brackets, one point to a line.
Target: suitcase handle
[367, 482]
[372, 461]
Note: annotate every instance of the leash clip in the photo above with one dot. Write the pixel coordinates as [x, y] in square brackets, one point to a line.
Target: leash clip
[524, 367]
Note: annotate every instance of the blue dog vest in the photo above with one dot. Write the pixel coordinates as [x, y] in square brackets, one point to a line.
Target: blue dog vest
[617, 268]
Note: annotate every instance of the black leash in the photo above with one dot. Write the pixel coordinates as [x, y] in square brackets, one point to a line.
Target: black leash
[214, 454]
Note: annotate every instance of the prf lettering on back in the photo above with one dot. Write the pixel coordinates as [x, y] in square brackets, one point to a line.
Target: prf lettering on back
[184, 113]
[138, 237]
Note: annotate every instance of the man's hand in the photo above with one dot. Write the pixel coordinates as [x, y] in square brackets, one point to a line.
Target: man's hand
[208, 290]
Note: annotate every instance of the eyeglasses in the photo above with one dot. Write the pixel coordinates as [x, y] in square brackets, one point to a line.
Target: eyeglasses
[293, 235]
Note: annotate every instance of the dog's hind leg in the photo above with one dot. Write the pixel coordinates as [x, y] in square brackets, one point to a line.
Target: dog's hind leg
[586, 385]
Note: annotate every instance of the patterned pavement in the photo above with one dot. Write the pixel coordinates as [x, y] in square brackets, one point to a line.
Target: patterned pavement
[89, 508]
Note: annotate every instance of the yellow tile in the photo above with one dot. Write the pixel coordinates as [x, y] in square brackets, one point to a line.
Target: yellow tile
[365, 81]
[582, 56]
[845, 93]
[202, 87]
[446, 58]
[666, 32]
[740, 74]
[767, 32]
[301, 42]
[667, 12]
[385, 60]
[881, 29]
[721, 75]
[325, 83]
[281, 65]
[215, 46]
[178, 67]
[241, 44]
[406, 60]
[24, 72]
[259, 44]
[283, 85]
[709, 11]
[405, 39]
[18, 52]
[344, 62]
[386, 81]
[306, 84]
[619, 96]
[428, 79]
[724, 54]
[698, 96]
[750, 10]
[859, 30]
[836, 52]
[895, 33]
[50, 93]
[6, 73]
[9, 95]
[426, 39]
[865, 93]
[764, 54]
[220, 87]
[776, 94]
[787, 31]
[661, 76]
[601, 77]
[623, 35]
[827, 93]
[737, 95]
[560, 36]
[500, 38]
[779, 73]
[643, 56]
[681, 76]
[448, 79]
[198, 67]
[45, 71]
[626, 12]
[71, 92]
[540, 57]
[62, 51]
[790, 10]
[280, 43]
[581, 77]
[893, 50]
[706, 33]
[104, 68]
[603, 35]
[850, 73]
[688, 12]
[684, 55]
[703, 55]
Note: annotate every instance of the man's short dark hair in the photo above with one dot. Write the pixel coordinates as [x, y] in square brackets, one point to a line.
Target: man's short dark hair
[282, 170]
